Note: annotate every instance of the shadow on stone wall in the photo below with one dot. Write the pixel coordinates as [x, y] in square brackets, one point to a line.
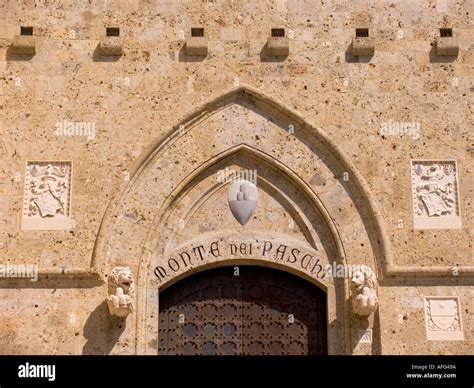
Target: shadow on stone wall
[435, 58]
[11, 56]
[376, 335]
[102, 331]
[182, 57]
[97, 57]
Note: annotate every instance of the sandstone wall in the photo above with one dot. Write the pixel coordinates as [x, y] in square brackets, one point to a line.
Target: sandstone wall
[138, 98]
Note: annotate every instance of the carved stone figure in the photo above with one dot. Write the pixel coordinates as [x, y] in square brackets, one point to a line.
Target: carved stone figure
[364, 291]
[121, 292]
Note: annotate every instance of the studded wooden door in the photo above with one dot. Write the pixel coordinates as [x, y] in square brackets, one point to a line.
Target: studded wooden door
[243, 310]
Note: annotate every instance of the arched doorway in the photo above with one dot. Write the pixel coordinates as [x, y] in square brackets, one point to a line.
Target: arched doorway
[172, 218]
[245, 310]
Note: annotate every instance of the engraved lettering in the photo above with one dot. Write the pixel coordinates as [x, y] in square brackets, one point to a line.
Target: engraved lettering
[267, 246]
[215, 249]
[280, 251]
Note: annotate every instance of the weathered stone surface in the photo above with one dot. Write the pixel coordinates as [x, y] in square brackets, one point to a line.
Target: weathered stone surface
[196, 46]
[332, 138]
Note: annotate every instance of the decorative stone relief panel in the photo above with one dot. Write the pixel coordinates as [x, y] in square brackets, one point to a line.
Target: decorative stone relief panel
[47, 196]
[443, 318]
[364, 336]
[435, 194]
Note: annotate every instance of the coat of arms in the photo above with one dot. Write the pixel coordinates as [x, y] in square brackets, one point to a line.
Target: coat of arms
[443, 319]
[242, 197]
[442, 313]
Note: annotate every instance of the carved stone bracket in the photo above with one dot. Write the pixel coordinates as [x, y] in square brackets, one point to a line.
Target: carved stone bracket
[364, 291]
[121, 292]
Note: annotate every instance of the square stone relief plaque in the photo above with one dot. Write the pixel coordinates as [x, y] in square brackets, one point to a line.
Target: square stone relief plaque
[47, 196]
[364, 336]
[443, 318]
[435, 193]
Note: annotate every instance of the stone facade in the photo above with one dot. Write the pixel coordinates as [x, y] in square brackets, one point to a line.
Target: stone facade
[113, 150]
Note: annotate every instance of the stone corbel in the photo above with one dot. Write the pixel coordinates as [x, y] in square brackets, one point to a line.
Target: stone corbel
[447, 47]
[121, 292]
[364, 291]
[112, 43]
[278, 45]
[196, 44]
[362, 44]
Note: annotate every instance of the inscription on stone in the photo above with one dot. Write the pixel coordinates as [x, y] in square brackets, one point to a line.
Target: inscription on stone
[191, 256]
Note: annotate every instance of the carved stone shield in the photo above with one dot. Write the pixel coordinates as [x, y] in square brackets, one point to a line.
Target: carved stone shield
[242, 198]
[443, 313]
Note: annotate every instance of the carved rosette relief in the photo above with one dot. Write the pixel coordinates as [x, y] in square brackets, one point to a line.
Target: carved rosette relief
[443, 319]
[364, 291]
[47, 196]
[121, 292]
[435, 195]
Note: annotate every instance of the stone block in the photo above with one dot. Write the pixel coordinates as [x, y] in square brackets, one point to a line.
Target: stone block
[111, 45]
[447, 46]
[278, 46]
[196, 46]
[24, 45]
[363, 46]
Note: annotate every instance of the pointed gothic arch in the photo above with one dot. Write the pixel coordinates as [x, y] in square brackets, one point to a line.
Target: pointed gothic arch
[132, 227]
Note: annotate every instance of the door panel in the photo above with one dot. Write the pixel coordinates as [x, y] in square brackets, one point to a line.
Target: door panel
[260, 312]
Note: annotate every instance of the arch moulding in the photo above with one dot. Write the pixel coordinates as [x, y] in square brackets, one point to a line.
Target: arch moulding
[176, 202]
